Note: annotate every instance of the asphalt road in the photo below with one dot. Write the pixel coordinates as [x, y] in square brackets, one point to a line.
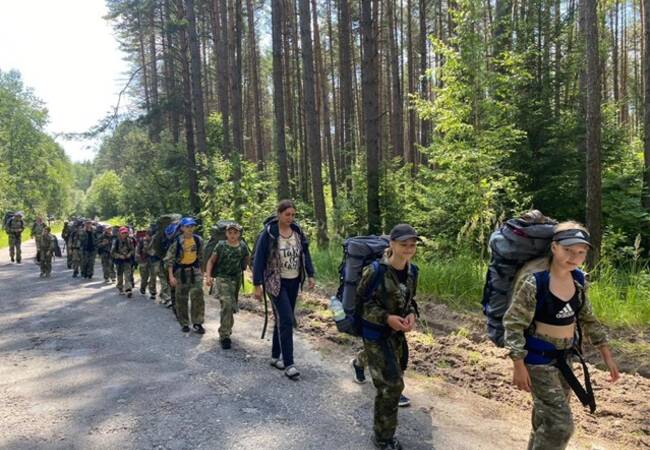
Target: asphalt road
[84, 368]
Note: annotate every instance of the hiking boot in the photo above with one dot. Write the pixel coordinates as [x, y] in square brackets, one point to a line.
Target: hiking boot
[106, 280]
[359, 373]
[198, 328]
[292, 373]
[75, 274]
[404, 401]
[185, 329]
[386, 444]
[18, 261]
[129, 294]
[12, 259]
[152, 296]
[277, 363]
[143, 292]
[121, 292]
[226, 343]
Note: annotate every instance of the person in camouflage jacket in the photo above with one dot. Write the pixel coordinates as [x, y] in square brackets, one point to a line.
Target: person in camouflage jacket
[555, 322]
[388, 312]
[14, 229]
[104, 244]
[122, 253]
[47, 249]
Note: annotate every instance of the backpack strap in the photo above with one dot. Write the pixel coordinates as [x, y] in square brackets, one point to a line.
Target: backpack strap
[378, 272]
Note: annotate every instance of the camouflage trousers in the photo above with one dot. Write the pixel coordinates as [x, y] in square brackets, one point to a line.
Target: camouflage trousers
[68, 255]
[189, 286]
[552, 419]
[165, 289]
[14, 246]
[87, 263]
[124, 276]
[76, 259]
[387, 359]
[107, 266]
[148, 275]
[226, 291]
[46, 264]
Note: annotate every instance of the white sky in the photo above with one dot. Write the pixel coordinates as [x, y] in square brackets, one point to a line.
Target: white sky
[66, 52]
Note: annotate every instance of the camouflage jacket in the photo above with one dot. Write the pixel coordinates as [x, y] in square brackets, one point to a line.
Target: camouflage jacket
[48, 244]
[15, 226]
[394, 299]
[88, 241]
[104, 243]
[175, 252]
[518, 319]
[37, 230]
[122, 250]
[230, 261]
[75, 239]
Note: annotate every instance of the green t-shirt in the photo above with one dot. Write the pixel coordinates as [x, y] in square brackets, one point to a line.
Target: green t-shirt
[230, 260]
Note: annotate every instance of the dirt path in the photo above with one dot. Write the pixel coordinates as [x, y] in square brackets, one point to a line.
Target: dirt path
[84, 368]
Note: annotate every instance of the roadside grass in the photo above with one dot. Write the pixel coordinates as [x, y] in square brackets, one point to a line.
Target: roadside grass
[620, 296]
[4, 239]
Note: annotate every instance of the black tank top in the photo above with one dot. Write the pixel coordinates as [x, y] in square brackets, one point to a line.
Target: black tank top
[555, 311]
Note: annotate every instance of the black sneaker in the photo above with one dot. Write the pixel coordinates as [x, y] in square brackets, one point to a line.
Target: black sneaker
[359, 373]
[226, 343]
[185, 329]
[18, 261]
[386, 444]
[12, 259]
[198, 328]
[75, 274]
[129, 294]
[152, 297]
[142, 291]
[404, 401]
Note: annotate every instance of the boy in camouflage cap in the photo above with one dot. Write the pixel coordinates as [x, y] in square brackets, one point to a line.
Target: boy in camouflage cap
[47, 247]
[229, 258]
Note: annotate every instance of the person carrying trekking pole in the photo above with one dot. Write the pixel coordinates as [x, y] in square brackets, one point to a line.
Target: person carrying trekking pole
[183, 260]
[281, 264]
[386, 293]
[544, 326]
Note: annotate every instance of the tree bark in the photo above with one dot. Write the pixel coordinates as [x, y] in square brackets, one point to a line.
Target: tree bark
[347, 96]
[277, 18]
[195, 77]
[370, 96]
[257, 100]
[646, 107]
[397, 116]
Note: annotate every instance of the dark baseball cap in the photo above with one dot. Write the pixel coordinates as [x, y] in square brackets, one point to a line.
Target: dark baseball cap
[572, 237]
[403, 232]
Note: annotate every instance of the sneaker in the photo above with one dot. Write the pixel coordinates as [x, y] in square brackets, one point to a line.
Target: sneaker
[142, 291]
[18, 261]
[359, 373]
[292, 373]
[129, 294]
[386, 444]
[185, 329]
[198, 328]
[75, 274]
[121, 292]
[106, 280]
[226, 343]
[277, 363]
[404, 401]
[152, 297]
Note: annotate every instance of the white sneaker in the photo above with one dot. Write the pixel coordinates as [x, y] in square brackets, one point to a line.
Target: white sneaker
[277, 363]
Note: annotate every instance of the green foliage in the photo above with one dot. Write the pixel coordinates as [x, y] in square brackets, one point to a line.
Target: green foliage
[35, 173]
[104, 195]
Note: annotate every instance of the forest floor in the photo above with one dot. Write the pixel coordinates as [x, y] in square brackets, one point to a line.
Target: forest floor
[85, 368]
[451, 347]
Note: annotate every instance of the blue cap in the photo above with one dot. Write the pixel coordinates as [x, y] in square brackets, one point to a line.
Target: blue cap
[187, 222]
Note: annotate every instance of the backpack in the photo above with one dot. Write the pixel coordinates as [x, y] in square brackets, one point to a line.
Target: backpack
[57, 248]
[6, 219]
[519, 241]
[358, 252]
[161, 241]
[179, 242]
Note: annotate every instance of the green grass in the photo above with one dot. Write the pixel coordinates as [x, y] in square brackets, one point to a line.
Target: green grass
[620, 297]
[4, 240]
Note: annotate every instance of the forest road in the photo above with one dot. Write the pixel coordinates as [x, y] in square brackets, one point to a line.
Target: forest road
[84, 368]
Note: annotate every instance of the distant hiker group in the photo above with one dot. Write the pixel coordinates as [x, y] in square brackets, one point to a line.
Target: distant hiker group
[535, 297]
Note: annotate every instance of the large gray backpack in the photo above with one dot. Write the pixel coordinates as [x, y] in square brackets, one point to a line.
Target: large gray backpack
[517, 242]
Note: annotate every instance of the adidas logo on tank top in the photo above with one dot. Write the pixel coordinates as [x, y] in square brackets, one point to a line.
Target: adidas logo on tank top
[567, 311]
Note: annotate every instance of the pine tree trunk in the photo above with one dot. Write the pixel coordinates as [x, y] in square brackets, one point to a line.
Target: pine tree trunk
[347, 96]
[195, 77]
[410, 144]
[257, 99]
[156, 125]
[172, 97]
[370, 95]
[397, 116]
[277, 19]
[425, 125]
[646, 109]
[593, 123]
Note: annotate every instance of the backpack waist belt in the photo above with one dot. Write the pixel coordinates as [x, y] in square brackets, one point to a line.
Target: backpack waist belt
[184, 269]
[373, 332]
[543, 352]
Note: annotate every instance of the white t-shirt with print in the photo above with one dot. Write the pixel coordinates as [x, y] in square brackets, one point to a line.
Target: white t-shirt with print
[289, 256]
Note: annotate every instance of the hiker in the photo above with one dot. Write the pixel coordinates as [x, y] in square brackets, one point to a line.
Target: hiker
[74, 247]
[148, 264]
[542, 333]
[14, 227]
[122, 253]
[229, 258]
[48, 248]
[281, 264]
[183, 261]
[388, 312]
[65, 235]
[36, 234]
[104, 244]
[88, 244]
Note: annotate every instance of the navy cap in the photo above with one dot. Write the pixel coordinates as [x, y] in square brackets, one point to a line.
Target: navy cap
[403, 232]
[572, 237]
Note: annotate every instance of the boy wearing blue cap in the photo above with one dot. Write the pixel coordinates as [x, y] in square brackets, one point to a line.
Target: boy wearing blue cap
[183, 261]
